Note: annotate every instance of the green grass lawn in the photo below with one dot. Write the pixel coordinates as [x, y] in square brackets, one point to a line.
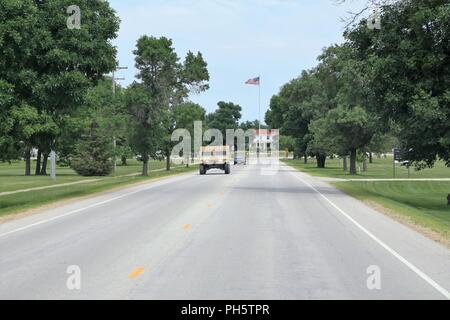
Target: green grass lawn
[12, 175]
[381, 168]
[420, 203]
[12, 178]
[423, 203]
[19, 202]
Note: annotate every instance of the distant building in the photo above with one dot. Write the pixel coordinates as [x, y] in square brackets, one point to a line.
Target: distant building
[264, 140]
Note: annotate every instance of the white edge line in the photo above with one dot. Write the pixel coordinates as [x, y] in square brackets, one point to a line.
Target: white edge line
[152, 185]
[412, 267]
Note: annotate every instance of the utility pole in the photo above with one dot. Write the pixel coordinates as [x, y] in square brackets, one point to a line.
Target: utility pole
[114, 79]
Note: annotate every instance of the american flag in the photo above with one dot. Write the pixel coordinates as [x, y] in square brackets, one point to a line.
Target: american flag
[254, 81]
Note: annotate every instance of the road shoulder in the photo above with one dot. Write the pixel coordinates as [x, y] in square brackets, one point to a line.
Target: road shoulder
[415, 217]
[432, 259]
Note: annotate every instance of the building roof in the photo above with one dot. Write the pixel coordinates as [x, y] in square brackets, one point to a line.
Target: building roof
[266, 132]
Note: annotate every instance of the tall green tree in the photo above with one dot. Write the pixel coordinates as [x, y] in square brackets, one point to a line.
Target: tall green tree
[324, 109]
[146, 128]
[110, 113]
[18, 20]
[350, 125]
[344, 129]
[298, 103]
[247, 125]
[226, 116]
[49, 65]
[408, 64]
[168, 80]
[185, 116]
[9, 146]
[29, 124]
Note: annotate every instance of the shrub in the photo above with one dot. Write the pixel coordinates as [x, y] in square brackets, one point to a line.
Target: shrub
[93, 154]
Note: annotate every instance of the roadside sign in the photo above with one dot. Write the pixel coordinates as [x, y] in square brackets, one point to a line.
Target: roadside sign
[398, 154]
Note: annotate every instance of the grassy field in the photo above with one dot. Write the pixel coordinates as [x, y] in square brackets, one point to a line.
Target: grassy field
[421, 204]
[12, 175]
[11, 178]
[381, 168]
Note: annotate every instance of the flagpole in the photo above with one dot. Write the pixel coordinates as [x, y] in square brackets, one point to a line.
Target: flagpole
[259, 115]
[259, 104]
[257, 81]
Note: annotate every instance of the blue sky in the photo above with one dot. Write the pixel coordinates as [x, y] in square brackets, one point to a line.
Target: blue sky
[239, 39]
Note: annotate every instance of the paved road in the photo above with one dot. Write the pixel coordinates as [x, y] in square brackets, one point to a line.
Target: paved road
[243, 236]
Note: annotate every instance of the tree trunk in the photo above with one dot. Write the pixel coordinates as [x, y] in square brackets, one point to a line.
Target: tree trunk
[124, 161]
[37, 172]
[28, 162]
[167, 160]
[145, 167]
[321, 158]
[365, 162]
[370, 157]
[305, 159]
[353, 161]
[44, 165]
[345, 164]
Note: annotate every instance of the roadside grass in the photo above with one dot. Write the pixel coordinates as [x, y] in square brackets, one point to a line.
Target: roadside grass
[381, 168]
[19, 202]
[135, 166]
[422, 203]
[12, 175]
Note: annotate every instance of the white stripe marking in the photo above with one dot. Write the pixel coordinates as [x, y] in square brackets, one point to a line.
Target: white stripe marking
[412, 267]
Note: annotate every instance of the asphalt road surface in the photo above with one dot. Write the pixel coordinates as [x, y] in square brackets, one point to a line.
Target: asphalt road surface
[244, 236]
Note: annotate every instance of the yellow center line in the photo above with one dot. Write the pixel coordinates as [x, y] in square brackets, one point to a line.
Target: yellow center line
[136, 273]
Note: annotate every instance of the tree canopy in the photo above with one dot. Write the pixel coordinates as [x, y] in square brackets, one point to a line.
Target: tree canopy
[47, 68]
[377, 83]
[168, 82]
